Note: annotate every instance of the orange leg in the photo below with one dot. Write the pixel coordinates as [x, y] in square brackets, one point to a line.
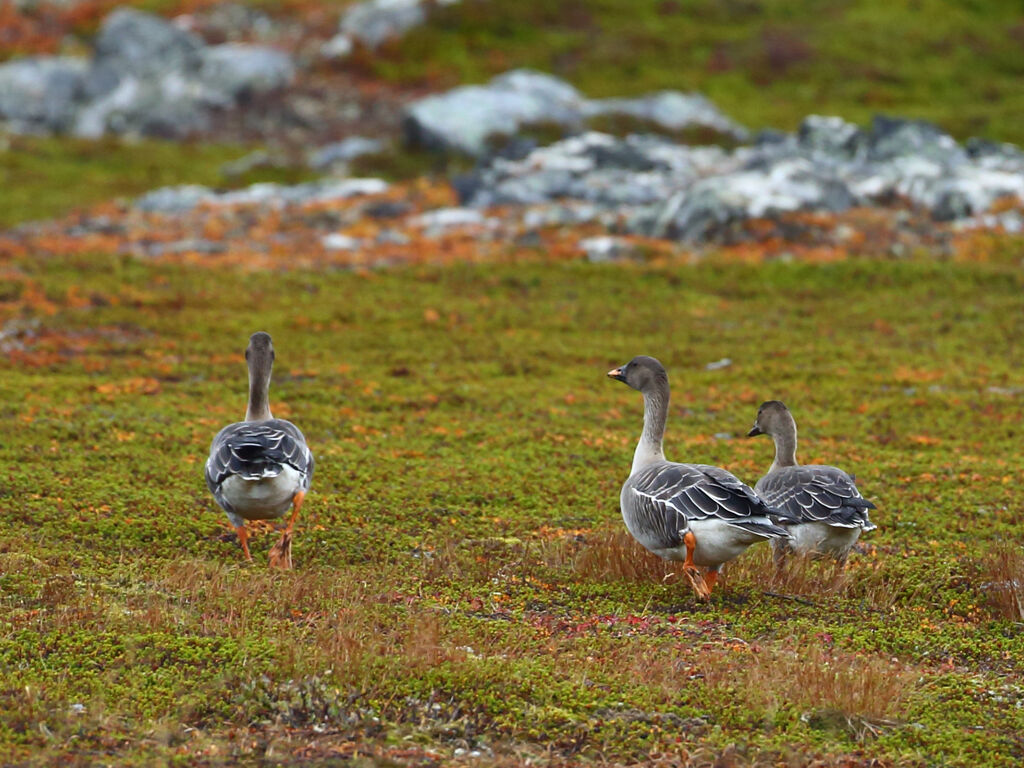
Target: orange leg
[281, 553]
[692, 571]
[243, 539]
[710, 578]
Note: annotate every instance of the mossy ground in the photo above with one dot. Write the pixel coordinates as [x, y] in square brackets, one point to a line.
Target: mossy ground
[462, 580]
[46, 177]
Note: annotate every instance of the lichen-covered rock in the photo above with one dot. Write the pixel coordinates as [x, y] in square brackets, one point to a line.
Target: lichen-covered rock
[169, 106]
[172, 200]
[376, 21]
[653, 186]
[147, 76]
[136, 44]
[343, 151]
[465, 118]
[671, 111]
[237, 69]
[41, 93]
[893, 137]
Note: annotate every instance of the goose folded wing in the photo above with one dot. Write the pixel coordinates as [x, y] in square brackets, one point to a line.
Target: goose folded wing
[655, 492]
[817, 494]
[700, 492]
[257, 450]
[722, 495]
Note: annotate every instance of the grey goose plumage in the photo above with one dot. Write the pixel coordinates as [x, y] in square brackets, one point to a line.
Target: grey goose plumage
[696, 513]
[260, 467]
[831, 513]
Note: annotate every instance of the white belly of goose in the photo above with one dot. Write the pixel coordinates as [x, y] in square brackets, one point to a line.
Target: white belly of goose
[821, 538]
[718, 542]
[262, 499]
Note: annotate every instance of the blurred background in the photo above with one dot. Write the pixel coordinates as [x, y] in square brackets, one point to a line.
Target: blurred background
[102, 100]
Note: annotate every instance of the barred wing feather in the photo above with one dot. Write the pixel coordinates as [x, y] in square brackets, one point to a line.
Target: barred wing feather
[817, 493]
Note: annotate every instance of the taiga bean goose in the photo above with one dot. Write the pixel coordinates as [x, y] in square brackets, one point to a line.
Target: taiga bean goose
[260, 467]
[696, 513]
[830, 511]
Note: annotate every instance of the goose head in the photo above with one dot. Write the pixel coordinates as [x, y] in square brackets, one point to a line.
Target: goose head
[642, 373]
[259, 355]
[773, 418]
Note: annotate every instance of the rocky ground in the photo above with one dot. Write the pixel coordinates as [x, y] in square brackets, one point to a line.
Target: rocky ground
[547, 167]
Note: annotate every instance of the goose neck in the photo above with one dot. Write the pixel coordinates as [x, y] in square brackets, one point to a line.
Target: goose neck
[785, 445]
[258, 408]
[649, 449]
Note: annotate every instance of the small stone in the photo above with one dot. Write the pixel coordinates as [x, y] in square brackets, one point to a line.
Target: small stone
[338, 47]
[343, 151]
[444, 218]
[338, 242]
[375, 21]
[601, 250]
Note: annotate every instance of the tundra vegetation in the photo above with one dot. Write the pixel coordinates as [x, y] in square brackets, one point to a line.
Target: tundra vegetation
[464, 589]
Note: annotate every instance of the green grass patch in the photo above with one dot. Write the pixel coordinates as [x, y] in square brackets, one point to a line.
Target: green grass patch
[48, 177]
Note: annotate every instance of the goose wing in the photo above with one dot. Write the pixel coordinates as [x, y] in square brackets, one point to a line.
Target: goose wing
[817, 493]
[256, 450]
[669, 491]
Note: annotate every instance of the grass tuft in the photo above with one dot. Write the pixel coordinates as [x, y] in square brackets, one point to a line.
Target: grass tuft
[1002, 576]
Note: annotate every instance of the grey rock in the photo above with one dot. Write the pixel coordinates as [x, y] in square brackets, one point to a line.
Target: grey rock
[192, 245]
[387, 209]
[280, 195]
[180, 199]
[465, 118]
[175, 199]
[376, 21]
[235, 21]
[443, 218]
[653, 186]
[237, 69]
[170, 106]
[41, 93]
[708, 209]
[830, 137]
[338, 47]
[594, 167]
[339, 242]
[343, 151]
[140, 44]
[671, 111]
[392, 237]
[147, 77]
[604, 249]
[892, 137]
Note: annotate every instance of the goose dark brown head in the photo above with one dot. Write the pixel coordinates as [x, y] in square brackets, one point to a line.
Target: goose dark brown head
[642, 373]
[772, 416]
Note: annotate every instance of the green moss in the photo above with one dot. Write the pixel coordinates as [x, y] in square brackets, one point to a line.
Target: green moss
[48, 177]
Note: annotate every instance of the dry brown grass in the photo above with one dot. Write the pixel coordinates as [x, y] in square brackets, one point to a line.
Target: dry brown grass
[807, 578]
[862, 688]
[1002, 575]
[616, 556]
